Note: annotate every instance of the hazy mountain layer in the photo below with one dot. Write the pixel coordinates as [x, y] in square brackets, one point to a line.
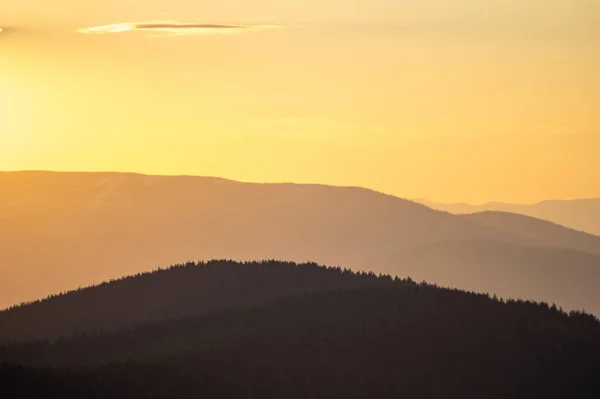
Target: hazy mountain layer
[566, 277]
[64, 230]
[581, 214]
[537, 231]
[59, 231]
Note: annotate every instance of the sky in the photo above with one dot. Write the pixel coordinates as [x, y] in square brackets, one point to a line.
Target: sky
[449, 100]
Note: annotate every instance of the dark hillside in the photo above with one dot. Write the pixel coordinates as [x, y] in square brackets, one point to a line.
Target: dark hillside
[399, 340]
[179, 291]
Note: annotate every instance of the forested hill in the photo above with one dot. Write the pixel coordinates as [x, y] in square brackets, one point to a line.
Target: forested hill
[393, 340]
[182, 290]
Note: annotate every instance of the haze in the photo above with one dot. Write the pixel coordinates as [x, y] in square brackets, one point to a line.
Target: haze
[279, 199]
[445, 100]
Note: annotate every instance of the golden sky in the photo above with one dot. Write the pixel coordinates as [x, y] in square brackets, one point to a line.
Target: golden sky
[462, 100]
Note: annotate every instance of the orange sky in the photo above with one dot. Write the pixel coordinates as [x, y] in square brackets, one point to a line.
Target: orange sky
[446, 100]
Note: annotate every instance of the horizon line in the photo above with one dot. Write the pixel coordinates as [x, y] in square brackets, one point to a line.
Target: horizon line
[418, 200]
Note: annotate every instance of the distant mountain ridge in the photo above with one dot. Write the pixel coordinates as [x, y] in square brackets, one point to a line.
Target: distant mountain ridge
[566, 277]
[579, 214]
[60, 231]
[537, 231]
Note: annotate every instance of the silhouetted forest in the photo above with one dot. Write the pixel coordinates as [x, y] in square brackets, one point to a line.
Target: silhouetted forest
[383, 338]
[181, 290]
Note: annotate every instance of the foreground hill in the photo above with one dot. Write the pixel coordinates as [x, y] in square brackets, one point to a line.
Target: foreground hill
[64, 230]
[179, 291]
[565, 277]
[394, 339]
[581, 214]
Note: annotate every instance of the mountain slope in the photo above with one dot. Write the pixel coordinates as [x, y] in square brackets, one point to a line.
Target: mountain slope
[64, 230]
[537, 231]
[580, 214]
[59, 231]
[398, 339]
[568, 278]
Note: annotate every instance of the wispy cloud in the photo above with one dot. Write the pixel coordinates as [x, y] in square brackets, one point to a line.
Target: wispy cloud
[174, 28]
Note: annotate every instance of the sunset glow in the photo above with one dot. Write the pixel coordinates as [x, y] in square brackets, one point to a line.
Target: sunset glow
[300, 199]
[447, 102]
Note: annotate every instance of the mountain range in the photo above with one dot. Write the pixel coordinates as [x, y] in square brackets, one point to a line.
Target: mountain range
[60, 231]
[579, 214]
